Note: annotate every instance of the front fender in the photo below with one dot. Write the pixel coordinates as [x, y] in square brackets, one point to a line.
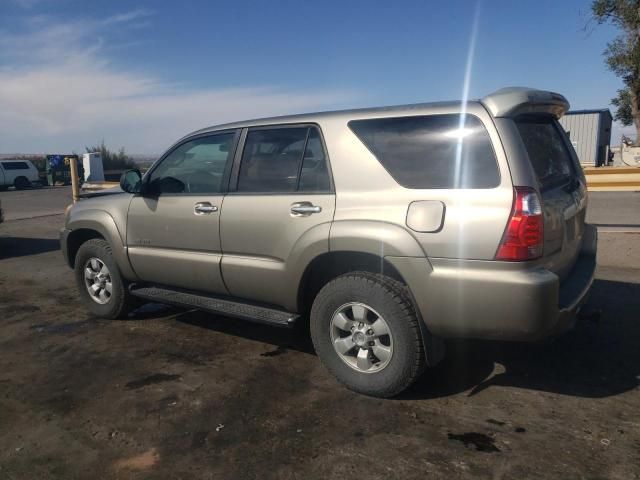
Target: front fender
[103, 223]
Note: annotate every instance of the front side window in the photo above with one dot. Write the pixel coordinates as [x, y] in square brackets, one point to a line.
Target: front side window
[434, 151]
[197, 166]
[283, 160]
[15, 165]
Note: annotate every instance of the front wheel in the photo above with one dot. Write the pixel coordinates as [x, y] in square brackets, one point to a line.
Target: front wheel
[366, 332]
[102, 288]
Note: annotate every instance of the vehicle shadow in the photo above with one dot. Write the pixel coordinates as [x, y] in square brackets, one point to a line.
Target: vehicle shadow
[296, 338]
[24, 246]
[599, 358]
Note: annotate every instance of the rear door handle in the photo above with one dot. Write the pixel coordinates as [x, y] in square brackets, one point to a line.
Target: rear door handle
[305, 209]
[204, 208]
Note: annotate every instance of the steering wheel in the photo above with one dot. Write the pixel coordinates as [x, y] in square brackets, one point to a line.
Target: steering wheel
[201, 178]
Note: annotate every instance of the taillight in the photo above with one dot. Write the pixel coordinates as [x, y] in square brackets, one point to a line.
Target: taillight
[524, 236]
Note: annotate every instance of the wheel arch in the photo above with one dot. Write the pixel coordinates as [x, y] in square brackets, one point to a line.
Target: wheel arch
[76, 238]
[329, 265]
[87, 224]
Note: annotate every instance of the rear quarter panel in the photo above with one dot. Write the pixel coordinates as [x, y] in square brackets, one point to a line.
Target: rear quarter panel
[474, 218]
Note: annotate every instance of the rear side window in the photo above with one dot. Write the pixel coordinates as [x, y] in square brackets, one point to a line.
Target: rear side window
[547, 151]
[435, 151]
[283, 160]
[15, 165]
[314, 176]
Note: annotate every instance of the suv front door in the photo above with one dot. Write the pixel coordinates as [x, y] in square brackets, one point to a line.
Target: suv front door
[278, 211]
[173, 232]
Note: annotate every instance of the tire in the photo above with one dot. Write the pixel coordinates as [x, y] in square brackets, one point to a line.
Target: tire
[21, 183]
[119, 301]
[384, 298]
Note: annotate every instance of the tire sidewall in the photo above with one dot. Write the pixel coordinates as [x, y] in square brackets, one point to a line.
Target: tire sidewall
[100, 249]
[347, 289]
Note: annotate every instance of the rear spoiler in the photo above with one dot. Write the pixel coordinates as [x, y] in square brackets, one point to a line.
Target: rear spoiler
[512, 101]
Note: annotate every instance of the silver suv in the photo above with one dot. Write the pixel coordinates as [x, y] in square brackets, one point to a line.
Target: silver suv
[390, 229]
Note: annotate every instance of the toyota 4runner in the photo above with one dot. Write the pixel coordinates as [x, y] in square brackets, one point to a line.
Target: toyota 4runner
[390, 229]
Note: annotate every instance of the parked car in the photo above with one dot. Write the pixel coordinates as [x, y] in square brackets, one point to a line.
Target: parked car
[20, 174]
[391, 229]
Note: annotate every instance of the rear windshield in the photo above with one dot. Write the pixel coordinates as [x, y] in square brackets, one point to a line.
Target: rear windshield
[547, 151]
[434, 151]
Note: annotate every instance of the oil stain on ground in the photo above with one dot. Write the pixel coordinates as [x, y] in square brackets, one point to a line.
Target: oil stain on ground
[150, 380]
[479, 441]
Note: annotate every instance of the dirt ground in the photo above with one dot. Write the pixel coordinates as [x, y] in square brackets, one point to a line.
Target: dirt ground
[182, 394]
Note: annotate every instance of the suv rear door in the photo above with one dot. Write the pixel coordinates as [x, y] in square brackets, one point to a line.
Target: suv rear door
[280, 205]
[562, 187]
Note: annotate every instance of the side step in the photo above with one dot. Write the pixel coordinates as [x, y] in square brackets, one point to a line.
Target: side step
[210, 303]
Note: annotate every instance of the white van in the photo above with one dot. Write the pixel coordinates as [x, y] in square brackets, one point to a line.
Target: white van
[18, 173]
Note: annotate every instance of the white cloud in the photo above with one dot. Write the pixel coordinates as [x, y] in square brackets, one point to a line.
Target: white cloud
[128, 16]
[59, 93]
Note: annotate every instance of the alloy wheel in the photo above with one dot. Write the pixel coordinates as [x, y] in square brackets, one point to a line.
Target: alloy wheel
[361, 337]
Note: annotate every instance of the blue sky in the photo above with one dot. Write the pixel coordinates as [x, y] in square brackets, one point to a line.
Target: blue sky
[140, 74]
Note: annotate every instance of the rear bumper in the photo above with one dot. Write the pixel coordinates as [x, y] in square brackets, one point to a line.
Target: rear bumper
[497, 300]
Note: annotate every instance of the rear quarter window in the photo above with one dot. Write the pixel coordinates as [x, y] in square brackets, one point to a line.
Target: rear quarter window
[15, 165]
[432, 151]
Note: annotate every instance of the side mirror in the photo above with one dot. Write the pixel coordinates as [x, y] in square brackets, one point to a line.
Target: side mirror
[131, 181]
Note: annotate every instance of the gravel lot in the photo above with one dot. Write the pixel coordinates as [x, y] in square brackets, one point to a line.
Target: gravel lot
[182, 394]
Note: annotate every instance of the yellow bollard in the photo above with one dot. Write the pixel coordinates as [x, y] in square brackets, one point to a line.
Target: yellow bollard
[75, 187]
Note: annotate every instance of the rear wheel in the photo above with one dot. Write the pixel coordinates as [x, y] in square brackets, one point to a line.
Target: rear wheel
[102, 288]
[366, 333]
[21, 183]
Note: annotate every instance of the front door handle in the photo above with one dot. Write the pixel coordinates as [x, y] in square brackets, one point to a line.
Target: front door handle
[204, 208]
[305, 209]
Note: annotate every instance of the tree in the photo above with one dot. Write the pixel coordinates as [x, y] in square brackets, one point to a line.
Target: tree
[623, 55]
[112, 160]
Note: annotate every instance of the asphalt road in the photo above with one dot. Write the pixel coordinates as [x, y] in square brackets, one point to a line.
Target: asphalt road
[182, 394]
[36, 202]
[614, 209]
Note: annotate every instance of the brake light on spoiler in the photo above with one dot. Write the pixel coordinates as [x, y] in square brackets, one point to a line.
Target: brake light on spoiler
[524, 237]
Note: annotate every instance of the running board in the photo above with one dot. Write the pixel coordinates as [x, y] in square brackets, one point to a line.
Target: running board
[209, 303]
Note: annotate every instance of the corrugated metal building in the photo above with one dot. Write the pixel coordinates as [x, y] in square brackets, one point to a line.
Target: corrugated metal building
[590, 134]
